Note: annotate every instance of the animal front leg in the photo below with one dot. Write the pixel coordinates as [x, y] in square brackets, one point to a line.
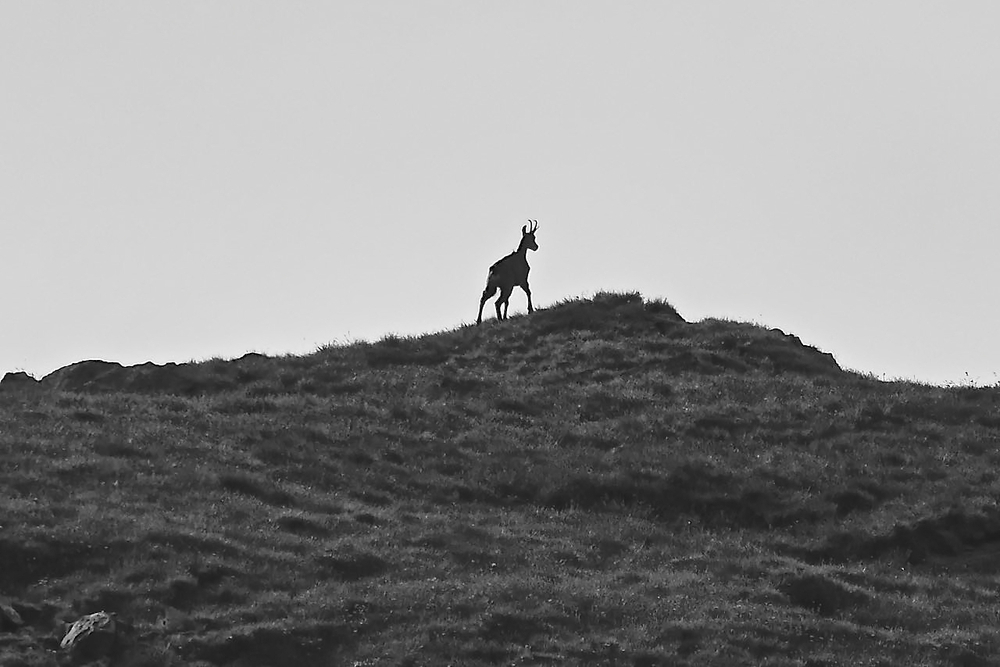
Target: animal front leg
[527, 290]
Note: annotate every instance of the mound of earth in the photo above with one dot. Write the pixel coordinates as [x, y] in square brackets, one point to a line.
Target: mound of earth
[959, 539]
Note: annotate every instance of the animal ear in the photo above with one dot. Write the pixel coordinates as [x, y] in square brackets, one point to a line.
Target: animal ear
[524, 229]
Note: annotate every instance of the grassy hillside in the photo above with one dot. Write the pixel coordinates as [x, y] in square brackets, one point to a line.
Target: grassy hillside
[600, 483]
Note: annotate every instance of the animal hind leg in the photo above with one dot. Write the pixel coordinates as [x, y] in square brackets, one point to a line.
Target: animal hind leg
[503, 300]
[487, 293]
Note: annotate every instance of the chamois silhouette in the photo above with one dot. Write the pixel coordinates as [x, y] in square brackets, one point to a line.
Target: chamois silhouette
[510, 272]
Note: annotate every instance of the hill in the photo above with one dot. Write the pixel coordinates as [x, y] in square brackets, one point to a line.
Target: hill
[599, 483]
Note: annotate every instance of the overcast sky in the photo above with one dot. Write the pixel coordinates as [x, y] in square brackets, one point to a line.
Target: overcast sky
[182, 180]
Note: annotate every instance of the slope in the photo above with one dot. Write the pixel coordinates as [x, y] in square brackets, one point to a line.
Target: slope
[598, 483]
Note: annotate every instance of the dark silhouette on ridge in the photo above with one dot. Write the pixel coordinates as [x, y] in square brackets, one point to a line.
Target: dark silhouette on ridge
[510, 272]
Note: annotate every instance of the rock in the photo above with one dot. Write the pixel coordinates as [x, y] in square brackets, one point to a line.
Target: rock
[10, 620]
[93, 636]
[17, 380]
[83, 375]
[149, 378]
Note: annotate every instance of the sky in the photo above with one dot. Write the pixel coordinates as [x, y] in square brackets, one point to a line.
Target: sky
[186, 180]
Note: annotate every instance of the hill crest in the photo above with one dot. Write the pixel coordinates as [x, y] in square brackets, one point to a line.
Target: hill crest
[623, 321]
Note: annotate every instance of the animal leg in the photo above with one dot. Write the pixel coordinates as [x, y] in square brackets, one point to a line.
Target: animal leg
[503, 300]
[527, 290]
[487, 293]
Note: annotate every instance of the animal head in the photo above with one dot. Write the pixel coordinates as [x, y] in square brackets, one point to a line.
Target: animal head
[528, 235]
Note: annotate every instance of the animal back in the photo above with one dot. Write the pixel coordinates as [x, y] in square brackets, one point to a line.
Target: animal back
[500, 262]
[511, 270]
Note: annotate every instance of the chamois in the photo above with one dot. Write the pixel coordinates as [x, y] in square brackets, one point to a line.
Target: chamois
[510, 272]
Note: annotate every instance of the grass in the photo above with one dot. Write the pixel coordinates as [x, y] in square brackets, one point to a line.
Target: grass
[598, 483]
